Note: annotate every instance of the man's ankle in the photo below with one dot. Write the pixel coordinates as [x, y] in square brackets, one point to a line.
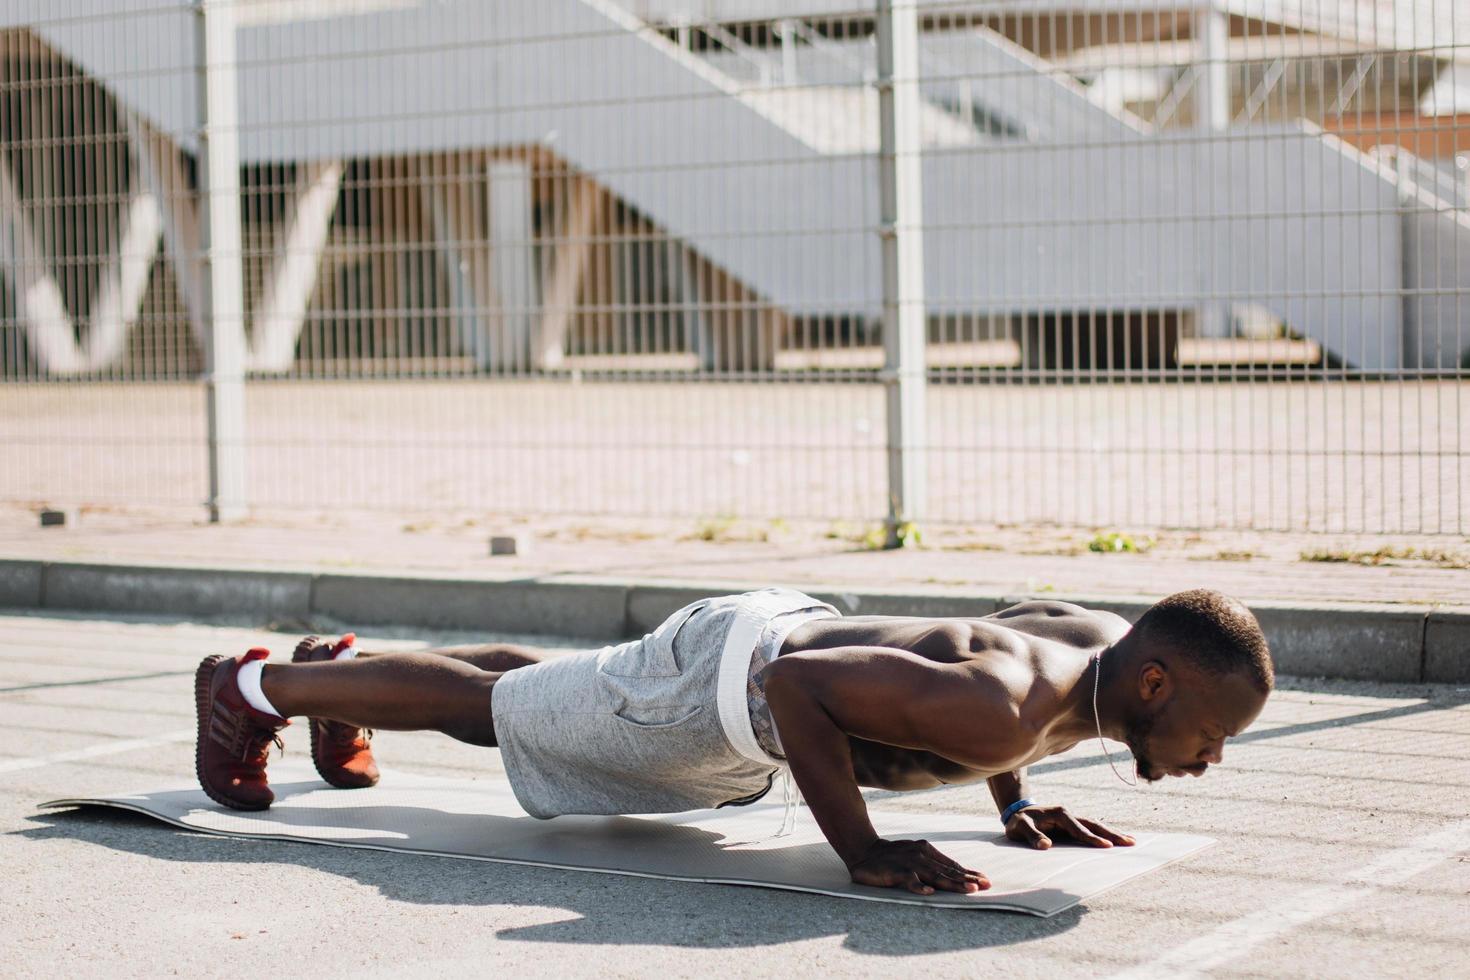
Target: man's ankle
[248, 678]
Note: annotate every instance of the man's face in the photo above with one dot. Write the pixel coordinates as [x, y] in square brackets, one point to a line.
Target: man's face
[1186, 734]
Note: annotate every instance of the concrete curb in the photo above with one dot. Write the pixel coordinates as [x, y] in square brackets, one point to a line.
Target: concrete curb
[570, 608]
[187, 591]
[20, 585]
[1447, 647]
[1342, 640]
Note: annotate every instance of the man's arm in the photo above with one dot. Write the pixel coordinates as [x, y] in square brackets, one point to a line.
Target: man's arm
[1007, 788]
[820, 698]
[820, 757]
[1030, 825]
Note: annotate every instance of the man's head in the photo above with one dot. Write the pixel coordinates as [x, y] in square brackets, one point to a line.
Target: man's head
[1193, 671]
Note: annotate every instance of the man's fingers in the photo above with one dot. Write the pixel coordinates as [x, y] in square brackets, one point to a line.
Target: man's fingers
[916, 885]
[1123, 840]
[944, 879]
[942, 867]
[1027, 833]
[950, 883]
[939, 856]
[917, 867]
[951, 877]
[948, 862]
[1082, 835]
[945, 861]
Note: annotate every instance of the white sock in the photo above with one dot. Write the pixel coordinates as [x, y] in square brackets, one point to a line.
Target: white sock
[248, 678]
[347, 654]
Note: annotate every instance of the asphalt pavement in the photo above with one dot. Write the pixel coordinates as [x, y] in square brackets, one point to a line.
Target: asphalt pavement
[1342, 820]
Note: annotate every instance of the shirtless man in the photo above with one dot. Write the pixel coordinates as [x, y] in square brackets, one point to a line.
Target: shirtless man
[709, 707]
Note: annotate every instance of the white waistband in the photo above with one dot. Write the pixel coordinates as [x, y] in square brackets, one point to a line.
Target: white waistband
[751, 616]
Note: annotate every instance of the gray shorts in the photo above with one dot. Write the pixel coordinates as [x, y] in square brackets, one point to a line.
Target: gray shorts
[657, 725]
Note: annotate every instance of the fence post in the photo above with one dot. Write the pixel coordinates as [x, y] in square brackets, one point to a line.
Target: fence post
[901, 198]
[1211, 30]
[222, 287]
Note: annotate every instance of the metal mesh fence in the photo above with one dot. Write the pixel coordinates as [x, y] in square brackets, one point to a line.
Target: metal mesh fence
[1198, 266]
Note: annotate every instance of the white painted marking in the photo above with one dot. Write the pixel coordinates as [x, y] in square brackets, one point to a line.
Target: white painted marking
[94, 751]
[1234, 939]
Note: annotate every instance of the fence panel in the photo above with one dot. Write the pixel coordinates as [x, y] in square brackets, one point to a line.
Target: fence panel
[1193, 265]
[1229, 243]
[101, 400]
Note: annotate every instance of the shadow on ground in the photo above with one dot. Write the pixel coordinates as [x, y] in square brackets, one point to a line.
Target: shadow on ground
[608, 910]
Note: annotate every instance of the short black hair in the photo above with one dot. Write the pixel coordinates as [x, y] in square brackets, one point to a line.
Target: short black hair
[1214, 632]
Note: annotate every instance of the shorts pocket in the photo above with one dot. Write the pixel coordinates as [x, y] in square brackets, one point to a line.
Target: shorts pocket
[652, 656]
[654, 717]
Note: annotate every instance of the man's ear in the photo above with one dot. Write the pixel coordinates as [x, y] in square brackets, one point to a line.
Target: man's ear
[1154, 682]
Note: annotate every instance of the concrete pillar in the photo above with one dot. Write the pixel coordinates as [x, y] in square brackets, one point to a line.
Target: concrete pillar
[295, 267]
[789, 74]
[39, 303]
[1212, 86]
[455, 199]
[511, 204]
[162, 169]
[572, 254]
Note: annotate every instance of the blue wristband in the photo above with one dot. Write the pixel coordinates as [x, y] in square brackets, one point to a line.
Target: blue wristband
[1012, 810]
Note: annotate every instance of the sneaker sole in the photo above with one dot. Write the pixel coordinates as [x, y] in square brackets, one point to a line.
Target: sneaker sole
[315, 729]
[314, 726]
[203, 680]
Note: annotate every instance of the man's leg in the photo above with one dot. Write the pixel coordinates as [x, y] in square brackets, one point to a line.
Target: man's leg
[418, 691]
[498, 657]
[446, 691]
[341, 750]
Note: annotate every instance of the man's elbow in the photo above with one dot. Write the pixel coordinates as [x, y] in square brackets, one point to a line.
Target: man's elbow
[781, 678]
[789, 685]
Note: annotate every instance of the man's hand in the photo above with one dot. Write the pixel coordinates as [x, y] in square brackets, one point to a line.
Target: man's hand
[1038, 826]
[915, 865]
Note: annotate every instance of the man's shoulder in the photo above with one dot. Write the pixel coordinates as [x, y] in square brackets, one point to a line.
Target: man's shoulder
[1063, 622]
[1047, 607]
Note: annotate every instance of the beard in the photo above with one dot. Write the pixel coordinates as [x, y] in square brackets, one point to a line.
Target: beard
[1136, 738]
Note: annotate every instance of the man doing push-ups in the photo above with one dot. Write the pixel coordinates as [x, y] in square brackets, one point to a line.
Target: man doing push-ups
[709, 707]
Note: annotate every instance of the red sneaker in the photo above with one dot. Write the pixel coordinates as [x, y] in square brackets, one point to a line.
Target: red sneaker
[234, 738]
[340, 751]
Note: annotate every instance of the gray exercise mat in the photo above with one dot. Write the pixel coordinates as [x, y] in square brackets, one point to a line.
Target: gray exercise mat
[479, 820]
